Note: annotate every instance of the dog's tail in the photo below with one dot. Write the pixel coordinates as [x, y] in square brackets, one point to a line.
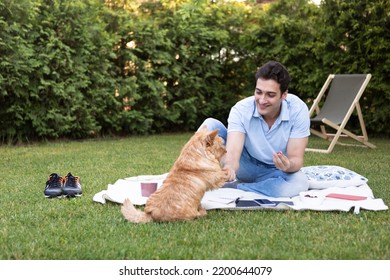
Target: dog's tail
[132, 214]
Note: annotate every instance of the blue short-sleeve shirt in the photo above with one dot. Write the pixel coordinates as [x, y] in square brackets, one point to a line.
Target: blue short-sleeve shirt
[260, 140]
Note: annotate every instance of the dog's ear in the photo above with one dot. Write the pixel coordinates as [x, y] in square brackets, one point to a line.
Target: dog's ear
[211, 136]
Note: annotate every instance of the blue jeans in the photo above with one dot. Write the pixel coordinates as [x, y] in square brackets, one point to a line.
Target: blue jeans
[256, 176]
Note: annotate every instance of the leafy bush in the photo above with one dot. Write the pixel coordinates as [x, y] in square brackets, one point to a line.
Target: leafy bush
[86, 68]
[57, 73]
[184, 64]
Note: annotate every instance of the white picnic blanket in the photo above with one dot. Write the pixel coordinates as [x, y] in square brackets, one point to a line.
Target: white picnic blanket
[224, 198]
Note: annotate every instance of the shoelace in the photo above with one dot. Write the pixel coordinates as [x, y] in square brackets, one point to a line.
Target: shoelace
[73, 180]
[55, 181]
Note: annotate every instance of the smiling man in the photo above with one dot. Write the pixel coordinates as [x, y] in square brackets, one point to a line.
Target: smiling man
[266, 136]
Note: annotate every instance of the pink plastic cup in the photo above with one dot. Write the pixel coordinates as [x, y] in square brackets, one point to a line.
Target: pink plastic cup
[148, 188]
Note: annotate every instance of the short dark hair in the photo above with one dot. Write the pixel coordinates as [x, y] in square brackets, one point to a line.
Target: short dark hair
[275, 71]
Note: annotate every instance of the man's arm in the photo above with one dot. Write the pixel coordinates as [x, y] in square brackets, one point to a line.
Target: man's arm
[234, 145]
[295, 155]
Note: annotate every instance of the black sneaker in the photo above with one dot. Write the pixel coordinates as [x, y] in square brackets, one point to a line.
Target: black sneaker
[54, 186]
[72, 186]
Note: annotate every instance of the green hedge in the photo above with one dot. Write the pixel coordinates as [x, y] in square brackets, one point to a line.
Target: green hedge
[57, 74]
[87, 68]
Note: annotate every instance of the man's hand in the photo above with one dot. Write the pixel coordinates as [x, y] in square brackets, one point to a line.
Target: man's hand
[282, 162]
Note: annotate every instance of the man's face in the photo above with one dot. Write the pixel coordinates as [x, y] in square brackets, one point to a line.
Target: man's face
[268, 98]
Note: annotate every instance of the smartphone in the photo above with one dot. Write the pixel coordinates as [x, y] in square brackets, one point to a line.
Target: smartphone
[254, 203]
[265, 202]
[246, 203]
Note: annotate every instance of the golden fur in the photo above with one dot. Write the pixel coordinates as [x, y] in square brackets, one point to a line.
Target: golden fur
[196, 170]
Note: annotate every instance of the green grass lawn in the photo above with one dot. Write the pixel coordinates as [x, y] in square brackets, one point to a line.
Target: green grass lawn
[33, 227]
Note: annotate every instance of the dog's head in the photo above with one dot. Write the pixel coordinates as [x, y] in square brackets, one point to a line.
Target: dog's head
[209, 143]
[215, 144]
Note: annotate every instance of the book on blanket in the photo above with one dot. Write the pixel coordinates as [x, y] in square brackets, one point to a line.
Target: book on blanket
[346, 196]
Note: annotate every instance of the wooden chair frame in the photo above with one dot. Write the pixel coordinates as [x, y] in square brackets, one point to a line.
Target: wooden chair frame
[341, 131]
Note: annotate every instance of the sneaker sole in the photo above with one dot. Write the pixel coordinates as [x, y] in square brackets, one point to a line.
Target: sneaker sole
[55, 196]
[72, 195]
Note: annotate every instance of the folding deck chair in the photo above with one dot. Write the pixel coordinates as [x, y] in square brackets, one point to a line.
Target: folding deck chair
[341, 101]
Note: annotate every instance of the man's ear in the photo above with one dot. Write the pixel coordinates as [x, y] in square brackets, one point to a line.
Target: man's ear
[284, 95]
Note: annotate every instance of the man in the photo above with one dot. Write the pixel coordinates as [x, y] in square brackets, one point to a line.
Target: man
[266, 137]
